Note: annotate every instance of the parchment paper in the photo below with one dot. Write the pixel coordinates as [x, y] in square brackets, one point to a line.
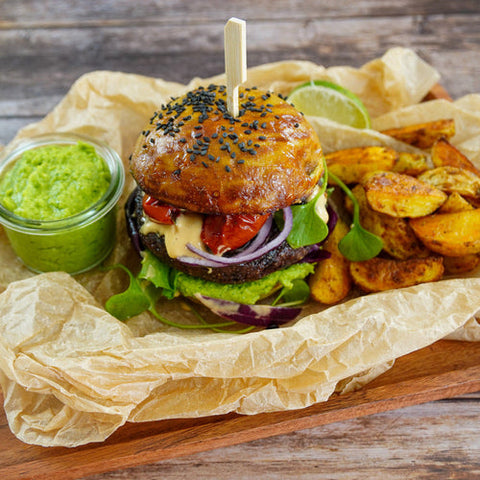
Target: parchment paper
[72, 374]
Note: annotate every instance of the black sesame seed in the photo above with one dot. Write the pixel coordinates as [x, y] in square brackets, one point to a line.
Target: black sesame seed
[248, 132]
[177, 172]
[197, 135]
[240, 161]
[183, 140]
[296, 125]
[204, 164]
[233, 155]
[193, 157]
[211, 157]
[249, 142]
[245, 124]
[262, 137]
[227, 168]
[214, 135]
[197, 127]
[264, 125]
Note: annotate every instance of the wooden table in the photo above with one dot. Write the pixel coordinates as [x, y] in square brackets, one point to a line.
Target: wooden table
[46, 44]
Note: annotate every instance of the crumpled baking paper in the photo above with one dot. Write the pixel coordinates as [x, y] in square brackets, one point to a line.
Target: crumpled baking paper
[72, 374]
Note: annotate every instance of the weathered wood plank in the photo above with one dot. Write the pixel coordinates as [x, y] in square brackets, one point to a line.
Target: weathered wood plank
[39, 65]
[87, 12]
[431, 440]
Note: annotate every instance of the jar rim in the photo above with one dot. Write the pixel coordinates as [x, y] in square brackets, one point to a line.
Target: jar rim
[102, 206]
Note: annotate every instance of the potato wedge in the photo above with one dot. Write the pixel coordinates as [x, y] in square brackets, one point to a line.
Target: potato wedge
[436, 92]
[453, 179]
[423, 135]
[350, 165]
[331, 281]
[445, 154]
[379, 274]
[464, 264]
[401, 195]
[455, 203]
[450, 234]
[411, 163]
[398, 238]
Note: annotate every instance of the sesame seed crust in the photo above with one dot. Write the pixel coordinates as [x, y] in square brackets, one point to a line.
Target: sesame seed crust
[193, 154]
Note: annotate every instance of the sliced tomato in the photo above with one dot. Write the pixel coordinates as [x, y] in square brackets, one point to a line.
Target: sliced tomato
[158, 211]
[222, 233]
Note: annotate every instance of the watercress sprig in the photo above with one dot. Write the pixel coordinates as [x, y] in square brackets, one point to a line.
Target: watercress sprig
[358, 244]
[308, 228]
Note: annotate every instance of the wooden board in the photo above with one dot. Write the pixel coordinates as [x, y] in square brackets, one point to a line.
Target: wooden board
[442, 370]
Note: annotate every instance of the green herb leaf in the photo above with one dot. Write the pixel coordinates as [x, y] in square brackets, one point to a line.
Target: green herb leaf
[308, 228]
[358, 244]
[129, 303]
[158, 273]
[297, 294]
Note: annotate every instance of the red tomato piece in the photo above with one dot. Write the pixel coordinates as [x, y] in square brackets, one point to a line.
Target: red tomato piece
[222, 233]
[159, 212]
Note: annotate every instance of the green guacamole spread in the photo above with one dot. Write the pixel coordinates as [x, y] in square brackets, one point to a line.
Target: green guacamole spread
[55, 182]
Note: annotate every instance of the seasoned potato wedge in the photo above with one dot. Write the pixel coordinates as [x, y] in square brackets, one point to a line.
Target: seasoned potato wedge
[437, 91]
[411, 163]
[450, 234]
[401, 195]
[455, 203]
[423, 135]
[458, 265]
[331, 281]
[350, 165]
[380, 274]
[453, 179]
[445, 154]
[398, 238]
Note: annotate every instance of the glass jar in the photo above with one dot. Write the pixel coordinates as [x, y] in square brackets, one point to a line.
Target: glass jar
[78, 242]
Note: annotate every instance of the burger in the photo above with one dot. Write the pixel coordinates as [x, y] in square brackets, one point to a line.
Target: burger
[216, 195]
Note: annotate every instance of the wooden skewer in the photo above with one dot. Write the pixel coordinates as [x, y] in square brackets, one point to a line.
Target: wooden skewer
[235, 60]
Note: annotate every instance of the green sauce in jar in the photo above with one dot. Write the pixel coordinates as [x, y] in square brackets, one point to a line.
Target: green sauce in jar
[55, 181]
[57, 202]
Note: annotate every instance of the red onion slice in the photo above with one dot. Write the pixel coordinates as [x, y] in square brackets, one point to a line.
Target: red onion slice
[260, 237]
[258, 315]
[241, 258]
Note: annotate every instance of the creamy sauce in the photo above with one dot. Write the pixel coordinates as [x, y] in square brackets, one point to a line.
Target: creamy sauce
[321, 207]
[187, 229]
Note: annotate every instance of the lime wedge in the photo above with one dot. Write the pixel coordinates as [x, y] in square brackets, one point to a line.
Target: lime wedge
[326, 99]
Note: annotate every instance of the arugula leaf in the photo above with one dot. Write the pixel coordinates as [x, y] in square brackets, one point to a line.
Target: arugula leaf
[358, 244]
